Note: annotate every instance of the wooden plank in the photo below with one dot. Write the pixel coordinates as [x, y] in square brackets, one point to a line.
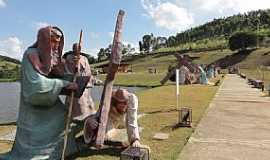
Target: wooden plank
[115, 59]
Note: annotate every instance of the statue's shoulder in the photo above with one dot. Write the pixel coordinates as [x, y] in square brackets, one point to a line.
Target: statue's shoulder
[31, 51]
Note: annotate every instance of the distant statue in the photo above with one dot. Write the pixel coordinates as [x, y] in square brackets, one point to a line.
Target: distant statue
[203, 78]
[210, 71]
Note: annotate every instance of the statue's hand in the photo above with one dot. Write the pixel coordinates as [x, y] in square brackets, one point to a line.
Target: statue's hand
[72, 86]
[92, 122]
[136, 143]
[90, 128]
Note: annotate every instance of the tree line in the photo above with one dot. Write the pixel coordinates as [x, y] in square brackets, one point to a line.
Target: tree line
[250, 22]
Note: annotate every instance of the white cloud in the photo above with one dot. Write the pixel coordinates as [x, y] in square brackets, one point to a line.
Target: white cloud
[168, 15]
[235, 5]
[11, 47]
[39, 25]
[92, 51]
[136, 47]
[111, 34]
[2, 3]
[94, 35]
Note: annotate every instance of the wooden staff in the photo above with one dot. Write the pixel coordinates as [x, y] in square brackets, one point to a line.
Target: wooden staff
[76, 54]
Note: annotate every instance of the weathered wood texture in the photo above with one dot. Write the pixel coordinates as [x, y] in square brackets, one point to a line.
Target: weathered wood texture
[115, 59]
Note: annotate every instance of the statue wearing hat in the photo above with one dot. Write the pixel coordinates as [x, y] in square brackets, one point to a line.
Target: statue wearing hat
[123, 113]
[83, 106]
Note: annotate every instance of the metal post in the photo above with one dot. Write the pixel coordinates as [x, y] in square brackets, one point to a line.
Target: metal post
[177, 89]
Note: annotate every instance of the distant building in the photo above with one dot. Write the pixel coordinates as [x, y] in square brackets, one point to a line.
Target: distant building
[123, 67]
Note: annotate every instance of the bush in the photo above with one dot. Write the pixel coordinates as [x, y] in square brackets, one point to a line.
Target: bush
[242, 40]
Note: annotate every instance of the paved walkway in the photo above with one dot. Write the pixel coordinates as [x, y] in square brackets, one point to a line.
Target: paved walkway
[235, 127]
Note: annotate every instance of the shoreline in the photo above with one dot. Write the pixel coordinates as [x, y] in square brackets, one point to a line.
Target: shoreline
[9, 80]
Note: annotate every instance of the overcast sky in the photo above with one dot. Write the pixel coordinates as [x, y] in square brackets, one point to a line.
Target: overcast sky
[20, 19]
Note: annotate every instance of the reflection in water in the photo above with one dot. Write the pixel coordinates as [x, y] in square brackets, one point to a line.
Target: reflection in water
[10, 98]
[9, 101]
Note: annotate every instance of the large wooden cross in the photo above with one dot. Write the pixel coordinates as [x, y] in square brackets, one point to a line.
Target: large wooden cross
[181, 61]
[115, 59]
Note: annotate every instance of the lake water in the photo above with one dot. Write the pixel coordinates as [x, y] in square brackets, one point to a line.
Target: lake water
[10, 97]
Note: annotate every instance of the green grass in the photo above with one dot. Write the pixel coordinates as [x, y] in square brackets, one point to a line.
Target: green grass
[163, 99]
[162, 61]
[254, 65]
[8, 79]
[209, 43]
[159, 99]
[136, 79]
[8, 65]
[256, 59]
[159, 61]
[5, 145]
[210, 56]
[258, 74]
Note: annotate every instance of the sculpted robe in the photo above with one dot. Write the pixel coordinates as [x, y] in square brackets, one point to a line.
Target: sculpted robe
[203, 77]
[83, 106]
[40, 125]
[127, 120]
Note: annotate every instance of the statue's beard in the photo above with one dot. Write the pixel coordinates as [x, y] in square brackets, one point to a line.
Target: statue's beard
[55, 58]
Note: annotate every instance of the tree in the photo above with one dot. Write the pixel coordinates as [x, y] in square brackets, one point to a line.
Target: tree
[127, 49]
[108, 51]
[171, 41]
[160, 42]
[90, 58]
[242, 40]
[101, 54]
[147, 40]
[140, 46]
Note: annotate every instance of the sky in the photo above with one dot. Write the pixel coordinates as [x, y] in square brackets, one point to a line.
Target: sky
[21, 19]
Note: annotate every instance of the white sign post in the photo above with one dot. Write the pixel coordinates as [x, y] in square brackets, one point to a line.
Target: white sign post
[177, 89]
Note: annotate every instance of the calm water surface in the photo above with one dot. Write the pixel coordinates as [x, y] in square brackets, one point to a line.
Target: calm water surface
[10, 97]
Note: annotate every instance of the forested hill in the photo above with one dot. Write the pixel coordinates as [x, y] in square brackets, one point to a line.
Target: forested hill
[8, 59]
[9, 69]
[227, 26]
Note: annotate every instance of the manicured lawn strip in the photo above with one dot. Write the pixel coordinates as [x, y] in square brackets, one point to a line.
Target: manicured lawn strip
[136, 79]
[257, 74]
[160, 99]
[163, 98]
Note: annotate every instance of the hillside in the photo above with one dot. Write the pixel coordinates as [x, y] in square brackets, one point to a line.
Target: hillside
[9, 69]
[252, 62]
[227, 26]
[249, 59]
[212, 35]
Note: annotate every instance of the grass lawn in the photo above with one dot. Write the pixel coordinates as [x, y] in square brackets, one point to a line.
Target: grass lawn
[157, 102]
[8, 80]
[258, 74]
[195, 96]
[253, 65]
[210, 56]
[5, 145]
[136, 79]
